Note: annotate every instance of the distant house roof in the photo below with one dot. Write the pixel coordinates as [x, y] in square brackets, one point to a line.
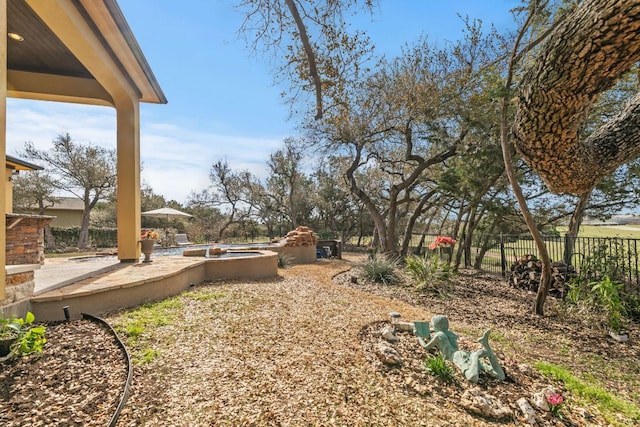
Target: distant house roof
[21, 165]
[66, 204]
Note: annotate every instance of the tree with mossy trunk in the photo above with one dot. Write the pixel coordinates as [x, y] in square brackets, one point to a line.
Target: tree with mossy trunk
[589, 49]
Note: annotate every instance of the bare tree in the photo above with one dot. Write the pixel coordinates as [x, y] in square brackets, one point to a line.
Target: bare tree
[287, 184]
[230, 191]
[86, 171]
[35, 189]
[309, 37]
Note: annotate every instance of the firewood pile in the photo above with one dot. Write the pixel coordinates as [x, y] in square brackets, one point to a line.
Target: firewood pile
[301, 236]
[526, 272]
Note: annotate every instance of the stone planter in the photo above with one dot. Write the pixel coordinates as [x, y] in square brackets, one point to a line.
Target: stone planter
[147, 246]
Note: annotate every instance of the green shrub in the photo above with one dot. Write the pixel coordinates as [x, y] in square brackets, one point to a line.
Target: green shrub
[66, 237]
[438, 366]
[599, 290]
[27, 338]
[429, 272]
[420, 268]
[381, 269]
[602, 297]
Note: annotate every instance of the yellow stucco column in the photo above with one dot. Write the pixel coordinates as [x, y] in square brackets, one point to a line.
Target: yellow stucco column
[128, 197]
[3, 143]
[8, 187]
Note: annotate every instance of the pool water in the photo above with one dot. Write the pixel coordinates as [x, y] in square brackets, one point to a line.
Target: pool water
[177, 251]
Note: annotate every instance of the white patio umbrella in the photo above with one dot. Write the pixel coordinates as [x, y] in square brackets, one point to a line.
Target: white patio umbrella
[166, 213]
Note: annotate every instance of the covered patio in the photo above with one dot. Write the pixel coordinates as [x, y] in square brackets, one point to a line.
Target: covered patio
[79, 51]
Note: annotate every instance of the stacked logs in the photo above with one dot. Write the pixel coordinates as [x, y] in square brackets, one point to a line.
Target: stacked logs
[301, 236]
[527, 270]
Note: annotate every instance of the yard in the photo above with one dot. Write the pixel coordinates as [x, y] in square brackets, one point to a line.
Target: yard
[298, 351]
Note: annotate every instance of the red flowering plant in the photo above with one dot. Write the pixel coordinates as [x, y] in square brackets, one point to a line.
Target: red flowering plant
[149, 235]
[433, 271]
[442, 242]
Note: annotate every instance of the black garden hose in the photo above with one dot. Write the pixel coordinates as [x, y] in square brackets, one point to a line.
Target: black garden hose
[127, 386]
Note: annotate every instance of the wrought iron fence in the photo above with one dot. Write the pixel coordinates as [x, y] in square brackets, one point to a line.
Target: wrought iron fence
[589, 256]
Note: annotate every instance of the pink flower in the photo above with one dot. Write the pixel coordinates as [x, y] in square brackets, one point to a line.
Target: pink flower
[555, 404]
[555, 399]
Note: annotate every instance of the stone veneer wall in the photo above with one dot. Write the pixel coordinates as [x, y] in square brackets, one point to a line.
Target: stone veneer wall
[19, 291]
[25, 238]
[25, 253]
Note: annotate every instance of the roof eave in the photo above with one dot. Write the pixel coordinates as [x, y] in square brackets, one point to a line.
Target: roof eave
[109, 19]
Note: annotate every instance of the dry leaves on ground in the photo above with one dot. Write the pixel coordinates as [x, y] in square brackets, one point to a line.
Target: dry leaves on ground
[297, 351]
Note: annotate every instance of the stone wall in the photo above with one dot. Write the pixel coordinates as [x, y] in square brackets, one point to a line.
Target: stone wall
[25, 253]
[25, 238]
[298, 245]
[19, 290]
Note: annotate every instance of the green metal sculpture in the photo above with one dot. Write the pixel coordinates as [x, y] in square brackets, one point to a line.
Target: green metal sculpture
[471, 364]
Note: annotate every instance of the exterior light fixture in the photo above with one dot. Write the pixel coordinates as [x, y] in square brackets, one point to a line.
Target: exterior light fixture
[15, 36]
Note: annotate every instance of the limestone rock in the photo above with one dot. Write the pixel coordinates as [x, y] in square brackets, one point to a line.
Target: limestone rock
[540, 401]
[216, 251]
[540, 398]
[528, 412]
[404, 326]
[301, 236]
[481, 403]
[194, 252]
[387, 354]
[388, 333]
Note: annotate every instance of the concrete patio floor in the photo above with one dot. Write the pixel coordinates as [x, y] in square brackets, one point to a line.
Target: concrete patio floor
[97, 285]
[59, 272]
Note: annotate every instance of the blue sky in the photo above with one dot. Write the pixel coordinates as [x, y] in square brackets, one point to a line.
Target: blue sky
[223, 103]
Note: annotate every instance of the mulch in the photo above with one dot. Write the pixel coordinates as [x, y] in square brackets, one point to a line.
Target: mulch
[298, 350]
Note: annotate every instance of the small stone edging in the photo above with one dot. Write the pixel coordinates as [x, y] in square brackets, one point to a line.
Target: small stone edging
[474, 400]
[127, 385]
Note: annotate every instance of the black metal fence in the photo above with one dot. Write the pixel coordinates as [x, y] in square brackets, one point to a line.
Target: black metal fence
[496, 254]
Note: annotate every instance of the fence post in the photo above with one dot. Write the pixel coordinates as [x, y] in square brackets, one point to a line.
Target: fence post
[503, 258]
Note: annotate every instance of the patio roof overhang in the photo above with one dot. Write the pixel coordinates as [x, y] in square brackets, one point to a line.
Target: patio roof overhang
[47, 64]
[80, 51]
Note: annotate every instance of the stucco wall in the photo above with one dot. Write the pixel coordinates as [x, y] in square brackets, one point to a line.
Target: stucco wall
[65, 218]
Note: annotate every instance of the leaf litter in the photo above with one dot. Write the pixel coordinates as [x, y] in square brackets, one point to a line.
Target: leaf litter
[298, 350]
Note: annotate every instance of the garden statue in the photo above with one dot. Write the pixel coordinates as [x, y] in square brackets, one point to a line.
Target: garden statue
[471, 364]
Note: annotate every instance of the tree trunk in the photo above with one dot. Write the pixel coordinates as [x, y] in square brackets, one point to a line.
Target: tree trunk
[83, 239]
[574, 226]
[509, 169]
[578, 214]
[484, 248]
[584, 55]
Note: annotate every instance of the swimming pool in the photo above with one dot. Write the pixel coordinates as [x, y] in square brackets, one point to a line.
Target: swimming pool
[236, 249]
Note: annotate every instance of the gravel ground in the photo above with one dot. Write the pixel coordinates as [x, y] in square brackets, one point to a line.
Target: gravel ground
[298, 351]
